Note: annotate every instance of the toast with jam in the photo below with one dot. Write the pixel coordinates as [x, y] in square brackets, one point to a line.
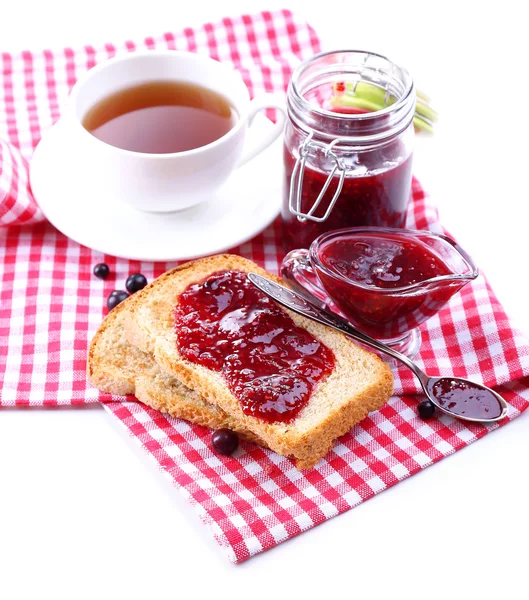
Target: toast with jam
[293, 383]
[117, 367]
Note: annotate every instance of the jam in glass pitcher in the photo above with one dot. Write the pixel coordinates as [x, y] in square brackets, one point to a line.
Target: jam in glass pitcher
[384, 281]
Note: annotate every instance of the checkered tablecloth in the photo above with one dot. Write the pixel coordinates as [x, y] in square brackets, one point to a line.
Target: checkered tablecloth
[51, 305]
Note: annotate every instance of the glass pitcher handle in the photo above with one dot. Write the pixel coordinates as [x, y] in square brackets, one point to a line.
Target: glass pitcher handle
[296, 269]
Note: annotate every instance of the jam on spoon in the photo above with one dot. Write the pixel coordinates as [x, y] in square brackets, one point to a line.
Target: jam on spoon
[269, 363]
[465, 399]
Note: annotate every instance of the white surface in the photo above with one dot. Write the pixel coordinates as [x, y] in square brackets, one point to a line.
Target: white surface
[231, 216]
[85, 514]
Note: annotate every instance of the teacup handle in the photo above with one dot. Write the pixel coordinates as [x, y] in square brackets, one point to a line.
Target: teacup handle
[258, 104]
[294, 270]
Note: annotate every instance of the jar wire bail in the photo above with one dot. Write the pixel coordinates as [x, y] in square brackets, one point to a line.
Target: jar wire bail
[296, 182]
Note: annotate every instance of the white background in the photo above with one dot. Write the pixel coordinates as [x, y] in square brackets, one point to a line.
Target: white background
[84, 513]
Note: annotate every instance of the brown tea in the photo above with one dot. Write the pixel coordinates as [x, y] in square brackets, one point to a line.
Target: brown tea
[161, 117]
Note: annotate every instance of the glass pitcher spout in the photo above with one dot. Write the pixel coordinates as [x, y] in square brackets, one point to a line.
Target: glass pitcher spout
[461, 266]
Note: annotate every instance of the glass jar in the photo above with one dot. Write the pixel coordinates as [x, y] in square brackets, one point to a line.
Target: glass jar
[347, 161]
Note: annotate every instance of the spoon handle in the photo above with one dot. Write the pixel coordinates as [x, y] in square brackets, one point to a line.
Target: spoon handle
[312, 308]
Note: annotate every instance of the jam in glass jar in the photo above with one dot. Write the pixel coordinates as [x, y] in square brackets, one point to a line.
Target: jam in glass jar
[348, 145]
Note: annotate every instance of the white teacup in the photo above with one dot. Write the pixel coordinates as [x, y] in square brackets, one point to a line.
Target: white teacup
[166, 182]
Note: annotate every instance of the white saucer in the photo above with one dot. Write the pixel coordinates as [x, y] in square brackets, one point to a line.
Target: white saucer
[77, 207]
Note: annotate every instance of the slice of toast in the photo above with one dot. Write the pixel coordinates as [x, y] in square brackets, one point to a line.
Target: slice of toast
[359, 383]
[117, 367]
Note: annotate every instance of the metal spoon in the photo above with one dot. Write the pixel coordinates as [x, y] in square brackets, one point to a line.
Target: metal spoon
[441, 391]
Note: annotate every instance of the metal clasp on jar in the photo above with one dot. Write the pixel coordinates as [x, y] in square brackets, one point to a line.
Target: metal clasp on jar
[296, 182]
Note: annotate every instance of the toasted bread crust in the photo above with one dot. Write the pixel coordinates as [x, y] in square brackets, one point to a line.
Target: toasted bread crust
[360, 383]
[107, 373]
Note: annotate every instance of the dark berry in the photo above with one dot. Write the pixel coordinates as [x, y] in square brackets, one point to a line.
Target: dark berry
[135, 282]
[101, 270]
[426, 409]
[224, 441]
[115, 298]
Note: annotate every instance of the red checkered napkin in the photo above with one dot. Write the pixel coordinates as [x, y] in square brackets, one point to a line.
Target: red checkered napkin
[257, 499]
[51, 305]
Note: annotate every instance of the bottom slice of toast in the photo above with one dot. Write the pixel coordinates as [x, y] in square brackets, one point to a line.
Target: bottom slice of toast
[359, 383]
[117, 367]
